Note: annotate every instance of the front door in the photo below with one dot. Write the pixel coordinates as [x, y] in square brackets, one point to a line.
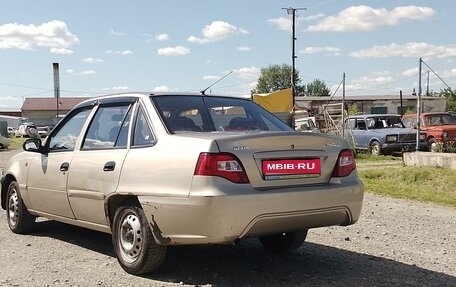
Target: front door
[48, 174]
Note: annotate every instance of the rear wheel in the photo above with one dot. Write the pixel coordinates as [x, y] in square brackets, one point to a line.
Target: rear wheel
[283, 242]
[134, 245]
[375, 148]
[19, 219]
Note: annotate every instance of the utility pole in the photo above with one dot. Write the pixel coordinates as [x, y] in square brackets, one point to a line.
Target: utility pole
[427, 84]
[343, 107]
[56, 87]
[418, 107]
[292, 11]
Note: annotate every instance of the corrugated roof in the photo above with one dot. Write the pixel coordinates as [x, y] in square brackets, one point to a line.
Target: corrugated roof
[366, 98]
[50, 104]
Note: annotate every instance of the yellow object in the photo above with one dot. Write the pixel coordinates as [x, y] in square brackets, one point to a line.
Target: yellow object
[279, 101]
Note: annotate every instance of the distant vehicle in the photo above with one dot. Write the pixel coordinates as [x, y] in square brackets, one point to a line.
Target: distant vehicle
[26, 130]
[157, 170]
[306, 124]
[10, 131]
[383, 134]
[440, 128]
[44, 131]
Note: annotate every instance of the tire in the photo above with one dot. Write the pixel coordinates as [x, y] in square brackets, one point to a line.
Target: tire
[20, 221]
[433, 146]
[134, 245]
[375, 148]
[283, 242]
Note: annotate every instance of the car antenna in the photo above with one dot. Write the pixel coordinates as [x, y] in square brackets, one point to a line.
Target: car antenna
[204, 91]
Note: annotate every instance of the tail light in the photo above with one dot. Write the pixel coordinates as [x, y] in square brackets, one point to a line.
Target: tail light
[224, 165]
[345, 163]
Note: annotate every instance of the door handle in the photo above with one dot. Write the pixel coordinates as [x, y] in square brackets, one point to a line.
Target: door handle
[64, 166]
[109, 166]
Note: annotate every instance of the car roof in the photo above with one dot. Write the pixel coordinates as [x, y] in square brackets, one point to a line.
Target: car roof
[373, 116]
[132, 96]
[427, 114]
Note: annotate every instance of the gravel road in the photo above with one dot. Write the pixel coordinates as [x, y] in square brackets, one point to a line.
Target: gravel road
[395, 243]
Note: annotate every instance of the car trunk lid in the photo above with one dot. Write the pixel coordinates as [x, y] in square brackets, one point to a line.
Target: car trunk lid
[280, 159]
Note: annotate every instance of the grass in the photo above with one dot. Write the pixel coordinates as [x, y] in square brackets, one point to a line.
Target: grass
[363, 157]
[427, 184]
[16, 143]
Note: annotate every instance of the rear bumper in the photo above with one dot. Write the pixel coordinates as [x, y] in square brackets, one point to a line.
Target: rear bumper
[213, 216]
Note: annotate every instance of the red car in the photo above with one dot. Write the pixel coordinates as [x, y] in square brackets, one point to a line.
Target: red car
[440, 128]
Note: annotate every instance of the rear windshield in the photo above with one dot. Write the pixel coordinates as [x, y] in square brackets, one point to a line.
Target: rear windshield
[182, 113]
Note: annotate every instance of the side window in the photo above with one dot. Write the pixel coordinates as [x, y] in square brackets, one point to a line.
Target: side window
[65, 138]
[142, 133]
[360, 124]
[350, 124]
[109, 128]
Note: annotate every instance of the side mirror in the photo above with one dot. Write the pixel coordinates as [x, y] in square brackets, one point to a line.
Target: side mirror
[32, 145]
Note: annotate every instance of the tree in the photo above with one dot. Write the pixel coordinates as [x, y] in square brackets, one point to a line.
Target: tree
[450, 96]
[317, 88]
[353, 109]
[277, 77]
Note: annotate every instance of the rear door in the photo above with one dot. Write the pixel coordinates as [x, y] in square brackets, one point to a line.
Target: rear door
[96, 167]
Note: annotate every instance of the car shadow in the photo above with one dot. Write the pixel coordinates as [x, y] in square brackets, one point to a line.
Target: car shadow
[248, 264]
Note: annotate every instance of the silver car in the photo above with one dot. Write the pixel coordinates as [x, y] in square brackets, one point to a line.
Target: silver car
[157, 170]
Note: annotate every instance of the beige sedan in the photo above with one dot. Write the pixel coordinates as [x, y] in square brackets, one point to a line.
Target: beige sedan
[156, 170]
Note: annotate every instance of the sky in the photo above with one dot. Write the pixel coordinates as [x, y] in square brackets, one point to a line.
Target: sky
[105, 47]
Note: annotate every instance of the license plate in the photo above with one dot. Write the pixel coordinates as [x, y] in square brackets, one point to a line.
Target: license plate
[290, 168]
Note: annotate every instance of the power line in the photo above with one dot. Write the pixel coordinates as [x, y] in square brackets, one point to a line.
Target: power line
[436, 75]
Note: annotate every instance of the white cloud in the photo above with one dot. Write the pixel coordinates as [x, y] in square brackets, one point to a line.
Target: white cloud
[91, 60]
[365, 18]
[123, 53]
[316, 50]
[61, 51]
[173, 51]
[410, 72]
[247, 73]
[87, 72]
[162, 37]
[115, 33]
[70, 71]
[53, 34]
[216, 31]
[374, 82]
[120, 88]
[243, 49]
[314, 17]
[161, 88]
[407, 50]
[282, 23]
[211, 77]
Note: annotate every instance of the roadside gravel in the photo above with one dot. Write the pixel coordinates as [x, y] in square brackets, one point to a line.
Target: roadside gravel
[395, 243]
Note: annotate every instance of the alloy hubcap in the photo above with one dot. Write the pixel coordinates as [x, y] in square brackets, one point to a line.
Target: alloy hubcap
[13, 208]
[131, 241]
